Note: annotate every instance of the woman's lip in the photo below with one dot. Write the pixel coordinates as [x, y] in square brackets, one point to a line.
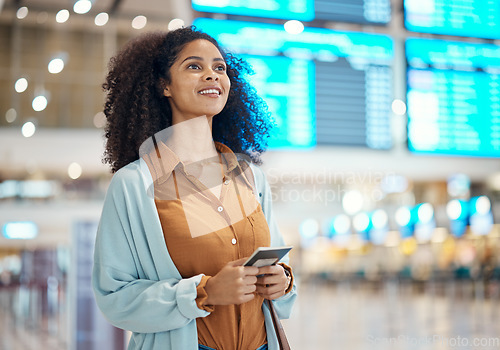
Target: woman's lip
[219, 91]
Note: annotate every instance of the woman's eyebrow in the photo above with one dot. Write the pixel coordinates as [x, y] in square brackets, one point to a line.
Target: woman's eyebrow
[201, 58]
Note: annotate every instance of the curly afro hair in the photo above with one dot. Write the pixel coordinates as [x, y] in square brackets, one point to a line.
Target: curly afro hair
[136, 108]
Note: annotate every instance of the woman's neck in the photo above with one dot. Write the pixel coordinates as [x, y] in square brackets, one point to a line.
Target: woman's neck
[191, 140]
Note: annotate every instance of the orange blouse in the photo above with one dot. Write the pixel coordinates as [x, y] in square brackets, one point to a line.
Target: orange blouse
[203, 233]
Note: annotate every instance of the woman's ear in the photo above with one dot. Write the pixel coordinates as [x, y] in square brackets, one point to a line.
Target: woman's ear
[164, 86]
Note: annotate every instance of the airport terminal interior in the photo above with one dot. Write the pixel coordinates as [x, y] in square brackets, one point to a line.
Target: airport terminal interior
[384, 165]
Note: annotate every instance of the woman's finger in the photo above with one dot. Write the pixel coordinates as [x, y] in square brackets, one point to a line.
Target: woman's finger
[272, 296]
[275, 295]
[271, 279]
[250, 280]
[270, 289]
[271, 270]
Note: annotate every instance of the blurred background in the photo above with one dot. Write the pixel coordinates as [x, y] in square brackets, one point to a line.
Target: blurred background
[385, 167]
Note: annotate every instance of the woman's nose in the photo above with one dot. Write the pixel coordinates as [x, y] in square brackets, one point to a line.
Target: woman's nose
[212, 76]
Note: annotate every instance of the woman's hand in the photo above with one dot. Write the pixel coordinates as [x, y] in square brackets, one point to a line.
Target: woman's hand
[234, 284]
[274, 283]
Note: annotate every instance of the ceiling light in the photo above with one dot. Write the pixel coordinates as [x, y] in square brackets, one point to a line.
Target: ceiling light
[11, 115]
[74, 170]
[82, 6]
[398, 107]
[454, 209]
[39, 103]
[176, 23]
[101, 19]
[62, 16]
[403, 216]
[342, 224]
[352, 202]
[309, 228]
[361, 222]
[483, 205]
[294, 27]
[425, 213]
[139, 22]
[380, 219]
[56, 66]
[21, 85]
[22, 12]
[100, 120]
[28, 129]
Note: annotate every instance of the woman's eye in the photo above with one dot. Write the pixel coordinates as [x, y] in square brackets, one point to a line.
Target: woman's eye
[194, 66]
[221, 68]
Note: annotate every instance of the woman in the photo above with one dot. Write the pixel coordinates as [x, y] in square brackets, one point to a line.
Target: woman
[183, 212]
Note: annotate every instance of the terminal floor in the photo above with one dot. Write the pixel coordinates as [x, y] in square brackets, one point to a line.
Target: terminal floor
[344, 316]
[388, 315]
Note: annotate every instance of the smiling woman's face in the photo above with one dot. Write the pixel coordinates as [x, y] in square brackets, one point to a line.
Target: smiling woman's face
[199, 84]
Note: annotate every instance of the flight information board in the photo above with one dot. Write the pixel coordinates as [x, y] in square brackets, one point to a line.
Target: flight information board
[357, 11]
[285, 9]
[283, 83]
[322, 86]
[453, 97]
[474, 18]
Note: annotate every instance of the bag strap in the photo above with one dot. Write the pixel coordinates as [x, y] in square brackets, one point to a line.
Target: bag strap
[278, 327]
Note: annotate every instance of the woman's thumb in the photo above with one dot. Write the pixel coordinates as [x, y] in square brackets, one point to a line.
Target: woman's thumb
[238, 262]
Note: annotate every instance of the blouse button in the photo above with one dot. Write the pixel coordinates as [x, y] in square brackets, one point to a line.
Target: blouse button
[226, 182]
[219, 209]
[233, 241]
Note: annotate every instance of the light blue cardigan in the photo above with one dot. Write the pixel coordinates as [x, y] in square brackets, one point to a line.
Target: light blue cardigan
[135, 282]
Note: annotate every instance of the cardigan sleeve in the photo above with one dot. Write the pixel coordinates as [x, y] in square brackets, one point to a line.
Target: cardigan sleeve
[283, 304]
[125, 281]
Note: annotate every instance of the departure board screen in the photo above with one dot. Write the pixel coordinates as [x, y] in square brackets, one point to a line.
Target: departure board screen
[474, 18]
[357, 11]
[285, 9]
[323, 87]
[453, 97]
[283, 83]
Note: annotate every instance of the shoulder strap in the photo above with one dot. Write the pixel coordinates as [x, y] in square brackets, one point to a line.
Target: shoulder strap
[278, 327]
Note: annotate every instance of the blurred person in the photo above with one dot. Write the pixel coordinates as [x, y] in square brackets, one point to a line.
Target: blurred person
[183, 212]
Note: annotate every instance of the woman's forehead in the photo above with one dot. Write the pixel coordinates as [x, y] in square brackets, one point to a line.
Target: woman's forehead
[200, 47]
